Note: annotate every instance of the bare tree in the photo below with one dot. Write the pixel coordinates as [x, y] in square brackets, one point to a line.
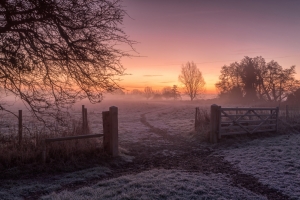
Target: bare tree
[192, 79]
[171, 92]
[56, 52]
[148, 92]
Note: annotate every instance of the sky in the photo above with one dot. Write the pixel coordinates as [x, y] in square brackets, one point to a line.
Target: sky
[211, 33]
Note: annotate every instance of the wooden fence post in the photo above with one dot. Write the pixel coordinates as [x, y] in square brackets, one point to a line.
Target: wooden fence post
[20, 130]
[214, 123]
[110, 131]
[113, 118]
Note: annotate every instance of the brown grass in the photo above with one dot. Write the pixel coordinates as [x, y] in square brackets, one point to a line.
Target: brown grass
[202, 122]
[14, 155]
[289, 122]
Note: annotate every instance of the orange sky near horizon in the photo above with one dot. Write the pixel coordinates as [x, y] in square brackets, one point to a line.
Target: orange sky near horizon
[209, 33]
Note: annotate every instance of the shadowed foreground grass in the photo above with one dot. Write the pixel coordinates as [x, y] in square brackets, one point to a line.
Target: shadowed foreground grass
[160, 184]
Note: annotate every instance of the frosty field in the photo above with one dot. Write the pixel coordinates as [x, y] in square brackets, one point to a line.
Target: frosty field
[162, 157]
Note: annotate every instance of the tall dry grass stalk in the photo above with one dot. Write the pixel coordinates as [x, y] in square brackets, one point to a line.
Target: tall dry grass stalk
[289, 119]
[12, 155]
[202, 122]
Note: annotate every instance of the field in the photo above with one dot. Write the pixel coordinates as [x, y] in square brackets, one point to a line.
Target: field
[163, 157]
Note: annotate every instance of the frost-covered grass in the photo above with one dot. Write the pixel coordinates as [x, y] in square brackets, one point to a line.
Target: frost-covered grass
[17, 189]
[34, 133]
[131, 128]
[176, 119]
[160, 184]
[275, 161]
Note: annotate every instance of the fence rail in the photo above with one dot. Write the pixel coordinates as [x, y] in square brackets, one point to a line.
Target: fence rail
[110, 132]
[231, 121]
[72, 137]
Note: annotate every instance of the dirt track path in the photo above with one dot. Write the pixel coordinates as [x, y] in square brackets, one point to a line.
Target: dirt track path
[171, 151]
[175, 152]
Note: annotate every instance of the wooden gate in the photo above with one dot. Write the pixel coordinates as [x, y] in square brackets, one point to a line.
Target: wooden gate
[232, 121]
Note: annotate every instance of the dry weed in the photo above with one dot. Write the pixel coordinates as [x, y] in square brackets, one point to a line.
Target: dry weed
[202, 121]
[12, 154]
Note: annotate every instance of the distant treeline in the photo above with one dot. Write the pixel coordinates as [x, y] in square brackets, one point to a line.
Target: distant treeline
[253, 79]
[248, 81]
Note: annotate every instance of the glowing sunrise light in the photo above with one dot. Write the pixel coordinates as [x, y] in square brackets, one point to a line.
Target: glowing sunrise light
[209, 33]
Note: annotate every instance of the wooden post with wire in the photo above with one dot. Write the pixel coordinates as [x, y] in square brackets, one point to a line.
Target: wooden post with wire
[214, 123]
[110, 131]
[84, 121]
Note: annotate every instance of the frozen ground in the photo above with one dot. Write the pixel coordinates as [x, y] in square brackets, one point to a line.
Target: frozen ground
[19, 189]
[164, 160]
[274, 161]
[161, 184]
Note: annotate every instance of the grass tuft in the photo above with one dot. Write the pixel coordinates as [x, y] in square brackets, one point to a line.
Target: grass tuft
[31, 149]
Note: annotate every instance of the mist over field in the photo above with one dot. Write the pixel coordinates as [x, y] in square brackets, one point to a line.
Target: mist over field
[162, 156]
[122, 99]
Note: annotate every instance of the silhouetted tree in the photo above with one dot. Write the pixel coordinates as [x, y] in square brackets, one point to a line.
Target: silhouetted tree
[137, 92]
[230, 81]
[175, 93]
[248, 76]
[56, 52]
[167, 92]
[148, 92]
[171, 92]
[277, 83]
[192, 79]
[256, 79]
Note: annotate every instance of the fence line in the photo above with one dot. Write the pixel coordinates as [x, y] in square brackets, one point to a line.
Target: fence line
[291, 111]
[110, 132]
[231, 121]
[84, 120]
[72, 137]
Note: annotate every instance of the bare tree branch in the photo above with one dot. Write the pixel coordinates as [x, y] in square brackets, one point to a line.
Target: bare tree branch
[56, 52]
